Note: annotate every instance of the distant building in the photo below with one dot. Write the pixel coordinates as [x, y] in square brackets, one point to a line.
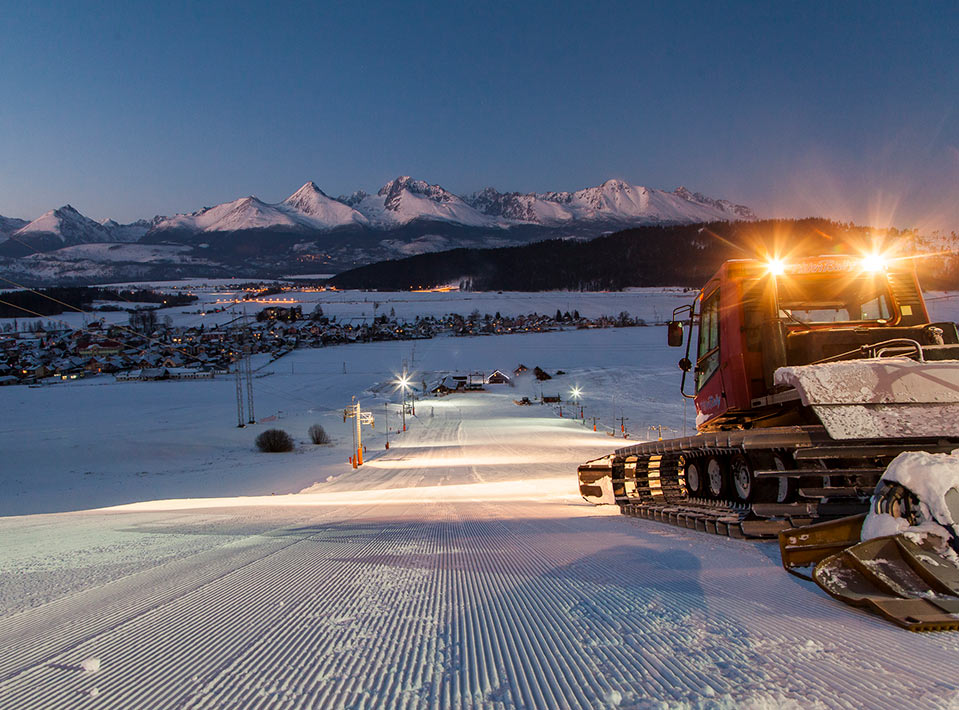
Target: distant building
[498, 378]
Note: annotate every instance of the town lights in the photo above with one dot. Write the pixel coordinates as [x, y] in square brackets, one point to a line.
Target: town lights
[776, 267]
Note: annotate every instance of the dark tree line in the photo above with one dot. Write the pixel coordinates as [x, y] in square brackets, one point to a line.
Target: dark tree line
[54, 301]
[676, 255]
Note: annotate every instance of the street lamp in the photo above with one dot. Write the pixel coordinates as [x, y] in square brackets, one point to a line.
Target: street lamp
[576, 394]
[403, 383]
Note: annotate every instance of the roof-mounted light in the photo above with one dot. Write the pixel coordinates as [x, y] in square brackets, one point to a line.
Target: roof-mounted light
[873, 263]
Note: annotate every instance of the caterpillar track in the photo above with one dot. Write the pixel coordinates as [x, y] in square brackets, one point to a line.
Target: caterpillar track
[799, 476]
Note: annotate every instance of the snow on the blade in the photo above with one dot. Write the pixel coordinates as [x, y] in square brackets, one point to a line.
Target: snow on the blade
[880, 397]
[874, 381]
[930, 477]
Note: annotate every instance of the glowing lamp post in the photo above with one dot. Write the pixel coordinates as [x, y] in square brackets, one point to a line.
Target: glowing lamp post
[403, 384]
[576, 395]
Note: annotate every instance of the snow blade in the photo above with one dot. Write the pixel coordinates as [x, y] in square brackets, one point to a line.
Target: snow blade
[806, 546]
[907, 582]
[595, 480]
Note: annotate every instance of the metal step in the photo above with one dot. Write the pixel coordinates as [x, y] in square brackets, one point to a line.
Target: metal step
[837, 492]
[815, 509]
[820, 472]
[868, 451]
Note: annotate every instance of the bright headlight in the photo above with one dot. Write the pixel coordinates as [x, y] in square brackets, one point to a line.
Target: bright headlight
[873, 262]
[776, 267]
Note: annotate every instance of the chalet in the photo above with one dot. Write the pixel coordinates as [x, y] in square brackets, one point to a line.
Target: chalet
[498, 378]
[520, 370]
[443, 387]
[188, 373]
[99, 348]
[152, 373]
[34, 371]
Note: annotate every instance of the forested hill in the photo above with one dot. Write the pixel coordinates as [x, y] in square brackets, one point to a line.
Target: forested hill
[680, 255]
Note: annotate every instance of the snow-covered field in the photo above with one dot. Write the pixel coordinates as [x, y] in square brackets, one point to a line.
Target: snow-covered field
[457, 569]
[221, 301]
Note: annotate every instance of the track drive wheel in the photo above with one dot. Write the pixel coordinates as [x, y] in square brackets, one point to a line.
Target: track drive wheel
[717, 476]
[786, 487]
[695, 478]
[747, 487]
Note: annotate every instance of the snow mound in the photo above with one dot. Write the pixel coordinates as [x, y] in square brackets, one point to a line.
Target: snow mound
[930, 477]
[91, 665]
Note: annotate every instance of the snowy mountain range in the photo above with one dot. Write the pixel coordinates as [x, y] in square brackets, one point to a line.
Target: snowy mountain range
[405, 200]
[404, 216]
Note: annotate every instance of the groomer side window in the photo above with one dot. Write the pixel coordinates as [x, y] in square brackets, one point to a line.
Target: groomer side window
[708, 351]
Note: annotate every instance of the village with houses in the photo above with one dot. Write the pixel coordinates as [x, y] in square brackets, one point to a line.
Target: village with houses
[154, 348]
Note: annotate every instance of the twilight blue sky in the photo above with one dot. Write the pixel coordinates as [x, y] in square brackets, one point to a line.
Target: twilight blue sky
[130, 109]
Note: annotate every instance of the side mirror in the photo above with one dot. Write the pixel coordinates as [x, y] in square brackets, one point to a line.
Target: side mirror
[674, 333]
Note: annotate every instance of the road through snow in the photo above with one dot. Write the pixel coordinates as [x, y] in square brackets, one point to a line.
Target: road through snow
[457, 570]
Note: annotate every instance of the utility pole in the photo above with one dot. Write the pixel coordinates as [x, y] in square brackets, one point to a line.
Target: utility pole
[386, 410]
[239, 393]
[360, 417]
[248, 371]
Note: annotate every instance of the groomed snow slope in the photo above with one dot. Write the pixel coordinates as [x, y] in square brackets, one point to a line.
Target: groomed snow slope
[457, 570]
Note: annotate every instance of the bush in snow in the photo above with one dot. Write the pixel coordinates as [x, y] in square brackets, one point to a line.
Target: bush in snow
[274, 441]
[318, 435]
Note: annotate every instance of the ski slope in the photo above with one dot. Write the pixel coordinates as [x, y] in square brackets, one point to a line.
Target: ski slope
[496, 595]
[458, 569]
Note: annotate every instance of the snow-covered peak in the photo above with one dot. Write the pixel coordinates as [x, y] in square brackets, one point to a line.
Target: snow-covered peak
[242, 214]
[322, 211]
[354, 199]
[519, 207]
[404, 199]
[131, 232]
[67, 225]
[394, 189]
[9, 225]
[614, 201]
[619, 201]
[737, 211]
[307, 209]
